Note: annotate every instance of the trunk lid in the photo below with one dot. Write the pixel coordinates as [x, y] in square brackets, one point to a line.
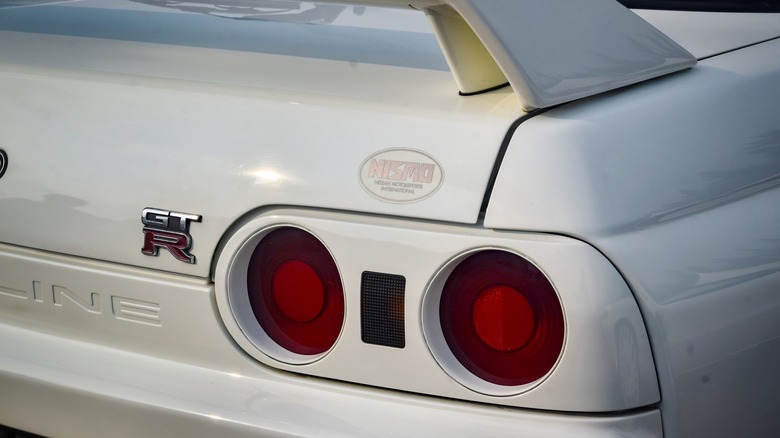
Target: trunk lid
[99, 128]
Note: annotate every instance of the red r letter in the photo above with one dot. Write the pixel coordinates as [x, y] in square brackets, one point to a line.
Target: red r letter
[178, 244]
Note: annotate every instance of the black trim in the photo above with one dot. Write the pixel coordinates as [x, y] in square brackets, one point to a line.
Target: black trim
[502, 152]
[8, 432]
[486, 90]
[3, 162]
[706, 5]
[738, 48]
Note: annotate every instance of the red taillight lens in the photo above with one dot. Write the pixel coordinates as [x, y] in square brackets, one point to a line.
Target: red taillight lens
[298, 291]
[501, 318]
[295, 291]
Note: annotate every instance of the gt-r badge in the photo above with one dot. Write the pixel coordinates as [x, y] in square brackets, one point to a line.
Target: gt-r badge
[401, 175]
[3, 162]
[169, 230]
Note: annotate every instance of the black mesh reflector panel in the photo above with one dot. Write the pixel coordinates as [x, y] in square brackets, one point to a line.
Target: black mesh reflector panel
[382, 309]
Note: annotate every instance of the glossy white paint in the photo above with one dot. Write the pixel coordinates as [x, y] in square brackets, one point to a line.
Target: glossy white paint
[710, 300]
[596, 303]
[173, 318]
[671, 184]
[599, 45]
[688, 212]
[164, 155]
[599, 160]
[473, 66]
[102, 391]
[244, 143]
[155, 314]
[705, 34]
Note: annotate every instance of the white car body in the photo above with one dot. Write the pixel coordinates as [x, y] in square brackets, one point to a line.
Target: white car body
[649, 199]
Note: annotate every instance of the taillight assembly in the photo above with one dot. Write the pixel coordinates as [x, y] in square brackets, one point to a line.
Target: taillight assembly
[295, 295]
[494, 322]
[491, 318]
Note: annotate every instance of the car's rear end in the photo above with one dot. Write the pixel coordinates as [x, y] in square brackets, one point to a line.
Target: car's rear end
[273, 218]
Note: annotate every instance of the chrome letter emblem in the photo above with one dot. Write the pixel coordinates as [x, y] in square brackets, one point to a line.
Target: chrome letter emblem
[169, 230]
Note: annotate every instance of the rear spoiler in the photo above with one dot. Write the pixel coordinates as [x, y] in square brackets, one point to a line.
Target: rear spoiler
[549, 51]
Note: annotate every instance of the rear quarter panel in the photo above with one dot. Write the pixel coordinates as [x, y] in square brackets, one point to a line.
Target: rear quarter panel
[677, 182]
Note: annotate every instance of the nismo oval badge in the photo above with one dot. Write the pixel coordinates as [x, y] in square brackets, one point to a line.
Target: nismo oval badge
[401, 175]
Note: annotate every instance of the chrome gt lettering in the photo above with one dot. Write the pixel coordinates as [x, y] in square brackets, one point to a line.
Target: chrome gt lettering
[122, 308]
[169, 230]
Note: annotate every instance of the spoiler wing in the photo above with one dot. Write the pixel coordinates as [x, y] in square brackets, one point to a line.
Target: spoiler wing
[549, 51]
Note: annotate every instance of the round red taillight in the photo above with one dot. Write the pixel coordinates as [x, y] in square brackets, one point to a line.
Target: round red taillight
[501, 318]
[295, 291]
[298, 291]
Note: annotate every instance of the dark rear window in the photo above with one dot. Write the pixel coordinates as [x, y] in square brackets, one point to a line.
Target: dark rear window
[706, 5]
